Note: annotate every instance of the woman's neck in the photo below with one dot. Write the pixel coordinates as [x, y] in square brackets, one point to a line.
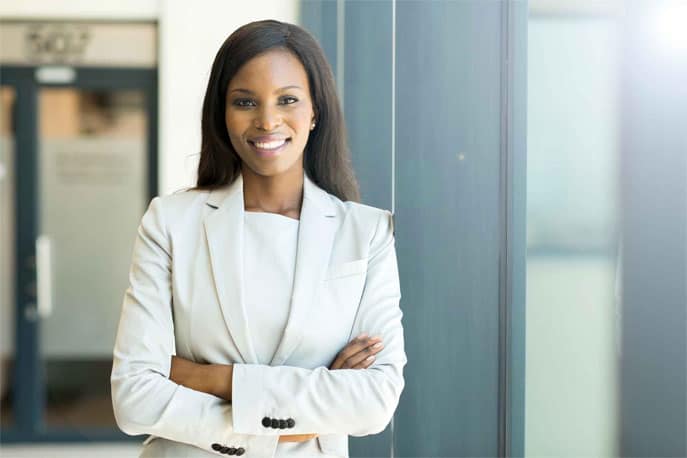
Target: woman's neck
[281, 193]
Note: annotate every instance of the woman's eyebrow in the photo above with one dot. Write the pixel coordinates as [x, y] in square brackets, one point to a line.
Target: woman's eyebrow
[248, 91]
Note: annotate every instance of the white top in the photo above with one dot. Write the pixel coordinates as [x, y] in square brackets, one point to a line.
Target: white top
[270, 241]
[269, 261]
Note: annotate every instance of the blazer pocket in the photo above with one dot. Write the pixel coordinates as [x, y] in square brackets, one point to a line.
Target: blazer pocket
[346, 269]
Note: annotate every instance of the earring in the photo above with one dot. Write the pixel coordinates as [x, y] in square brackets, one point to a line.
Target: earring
[312, 126]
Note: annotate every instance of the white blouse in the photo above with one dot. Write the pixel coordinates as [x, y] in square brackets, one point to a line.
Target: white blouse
[269, 261]
[270, 241]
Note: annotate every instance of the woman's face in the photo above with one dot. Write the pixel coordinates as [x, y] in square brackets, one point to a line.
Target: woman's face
[269, 112]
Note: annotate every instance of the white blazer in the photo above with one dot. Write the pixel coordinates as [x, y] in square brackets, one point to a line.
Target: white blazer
[185, 298]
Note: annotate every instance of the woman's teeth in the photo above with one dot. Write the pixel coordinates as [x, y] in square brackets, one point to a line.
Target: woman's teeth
[270, 145]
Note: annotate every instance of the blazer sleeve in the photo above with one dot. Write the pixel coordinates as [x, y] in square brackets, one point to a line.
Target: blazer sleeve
[145, 400]
[355, 402]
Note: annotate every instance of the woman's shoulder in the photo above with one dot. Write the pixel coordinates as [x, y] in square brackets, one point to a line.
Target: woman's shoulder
[379, 222]
[357, 208]
[182, 198]
[361, 211]
[178, 205]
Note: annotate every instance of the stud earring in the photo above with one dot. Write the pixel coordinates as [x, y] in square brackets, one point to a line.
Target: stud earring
[312, 126]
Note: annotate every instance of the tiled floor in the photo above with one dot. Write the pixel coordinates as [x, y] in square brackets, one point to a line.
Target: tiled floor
[71, 451]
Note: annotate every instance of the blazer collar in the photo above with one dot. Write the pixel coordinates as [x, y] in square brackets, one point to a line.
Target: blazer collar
[316, 195]
[224, 232]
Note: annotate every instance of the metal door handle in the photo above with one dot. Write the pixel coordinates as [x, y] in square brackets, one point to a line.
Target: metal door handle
[44, 275]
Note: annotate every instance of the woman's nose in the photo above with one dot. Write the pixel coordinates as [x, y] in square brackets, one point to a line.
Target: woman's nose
[267, 119]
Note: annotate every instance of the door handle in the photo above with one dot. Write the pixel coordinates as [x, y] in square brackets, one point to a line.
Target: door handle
[44, 276]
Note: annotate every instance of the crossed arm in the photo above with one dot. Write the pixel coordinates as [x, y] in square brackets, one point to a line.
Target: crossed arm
[216, 379]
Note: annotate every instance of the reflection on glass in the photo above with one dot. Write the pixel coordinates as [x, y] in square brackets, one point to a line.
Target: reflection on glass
[572, 211]
[92, 171]
[7, 279]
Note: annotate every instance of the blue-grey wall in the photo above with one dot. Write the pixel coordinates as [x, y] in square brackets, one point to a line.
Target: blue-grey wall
[436, 122]
[653, 410]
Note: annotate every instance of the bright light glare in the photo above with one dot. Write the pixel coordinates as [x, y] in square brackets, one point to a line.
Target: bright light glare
[671, 26]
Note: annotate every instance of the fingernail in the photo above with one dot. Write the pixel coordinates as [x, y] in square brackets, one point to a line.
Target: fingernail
[377, 345]
[370, 358]
[363, 335]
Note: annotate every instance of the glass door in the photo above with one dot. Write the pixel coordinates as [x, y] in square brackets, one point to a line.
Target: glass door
[92, 170]
[77, 168]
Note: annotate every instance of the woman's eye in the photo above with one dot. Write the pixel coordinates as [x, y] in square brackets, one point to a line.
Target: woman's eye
[243, 102]
[288, 100]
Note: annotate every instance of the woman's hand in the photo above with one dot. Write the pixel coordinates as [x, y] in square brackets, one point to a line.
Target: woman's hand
[359, 353]
[297, 437]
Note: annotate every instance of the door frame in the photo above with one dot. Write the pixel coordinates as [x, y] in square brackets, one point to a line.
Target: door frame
[28, 397]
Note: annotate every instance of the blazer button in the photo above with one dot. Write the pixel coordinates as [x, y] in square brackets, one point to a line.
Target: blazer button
[275, 423]
[216, 447]
[224, 450]
[290, 423]
[266, 422]
[240, 451]
[282, 424]
[231, 451]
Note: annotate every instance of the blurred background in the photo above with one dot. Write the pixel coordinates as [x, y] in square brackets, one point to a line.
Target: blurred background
[534, 155]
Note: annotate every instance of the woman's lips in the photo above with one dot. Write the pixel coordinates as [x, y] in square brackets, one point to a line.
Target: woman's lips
[269, 148]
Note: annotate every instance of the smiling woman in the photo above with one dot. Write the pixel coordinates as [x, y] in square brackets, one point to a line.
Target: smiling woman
[268, 117]
[271, 81]
[267, 297]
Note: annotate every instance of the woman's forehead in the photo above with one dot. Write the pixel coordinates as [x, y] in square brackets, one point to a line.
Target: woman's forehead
[270, 70]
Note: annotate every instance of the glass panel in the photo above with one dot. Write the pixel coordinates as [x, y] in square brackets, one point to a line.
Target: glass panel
[7, 279]
[572, 214]
[92, 169]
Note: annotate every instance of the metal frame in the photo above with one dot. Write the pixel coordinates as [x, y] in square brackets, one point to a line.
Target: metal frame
[513, 250]
[27, 379]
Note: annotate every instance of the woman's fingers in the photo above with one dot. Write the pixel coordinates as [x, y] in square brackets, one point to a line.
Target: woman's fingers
[363, 358]
[296, 437]
[353, 347]
[356, 352]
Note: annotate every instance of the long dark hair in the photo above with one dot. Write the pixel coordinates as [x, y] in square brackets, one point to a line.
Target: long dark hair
[326, 158]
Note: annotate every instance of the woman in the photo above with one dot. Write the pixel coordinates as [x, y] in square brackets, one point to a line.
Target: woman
[246, 325]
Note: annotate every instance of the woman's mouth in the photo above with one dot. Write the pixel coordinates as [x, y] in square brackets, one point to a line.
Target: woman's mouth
[269, 148]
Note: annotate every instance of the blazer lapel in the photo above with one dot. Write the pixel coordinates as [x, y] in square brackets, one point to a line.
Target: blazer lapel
[316, 233]
[224, 231]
